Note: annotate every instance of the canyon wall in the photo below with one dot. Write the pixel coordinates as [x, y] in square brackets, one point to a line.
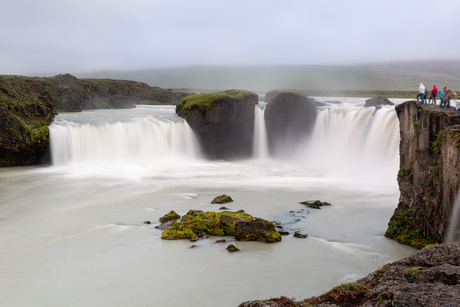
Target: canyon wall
[429, 173]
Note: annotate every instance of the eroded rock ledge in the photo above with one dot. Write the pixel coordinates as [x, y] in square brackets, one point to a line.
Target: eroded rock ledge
[429, 175]
[429, 278]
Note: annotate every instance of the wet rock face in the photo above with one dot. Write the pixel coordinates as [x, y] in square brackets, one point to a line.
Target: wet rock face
[225, 128]
[289, 118]
[429, 174]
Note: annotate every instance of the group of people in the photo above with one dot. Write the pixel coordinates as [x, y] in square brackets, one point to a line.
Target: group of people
[445, 95]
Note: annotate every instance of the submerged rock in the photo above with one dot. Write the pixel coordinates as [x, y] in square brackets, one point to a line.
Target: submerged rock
[315, 204]
[221, 199]
[299, 235]
[232, 248]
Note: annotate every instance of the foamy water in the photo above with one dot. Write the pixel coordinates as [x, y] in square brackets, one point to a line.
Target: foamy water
[73, 233]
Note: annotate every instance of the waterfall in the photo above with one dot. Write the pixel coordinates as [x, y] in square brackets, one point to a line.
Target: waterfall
[143, 140]
[260, 148]
[355, 140]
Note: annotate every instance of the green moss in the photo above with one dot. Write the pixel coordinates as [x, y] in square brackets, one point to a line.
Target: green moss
[436, 145]
[206, 101]
[411, 273]
[403, 229]
[174, 234]
[203, 224]
[406, 173]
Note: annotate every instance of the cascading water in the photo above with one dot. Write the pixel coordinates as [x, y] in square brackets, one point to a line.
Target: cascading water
[260, 148]
[356, 141]
[144, 140]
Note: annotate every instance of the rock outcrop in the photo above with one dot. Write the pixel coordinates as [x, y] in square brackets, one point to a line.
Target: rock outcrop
[289, 117]
[28, 105]
[26, 111]
[378, 101]
[222, 121]
[197, 224]
[429, 278]
[429, 173]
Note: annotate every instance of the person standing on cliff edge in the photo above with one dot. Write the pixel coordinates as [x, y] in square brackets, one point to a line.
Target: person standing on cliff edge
[421, 92]
[434, 92]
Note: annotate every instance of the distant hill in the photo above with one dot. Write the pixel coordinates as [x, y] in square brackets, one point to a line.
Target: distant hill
[398, 76]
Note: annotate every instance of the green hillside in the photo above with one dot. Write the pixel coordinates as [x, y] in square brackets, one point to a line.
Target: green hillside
[402, 76]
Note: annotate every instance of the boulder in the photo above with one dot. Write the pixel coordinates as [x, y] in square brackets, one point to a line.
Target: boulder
[378, 101]
[223, 122]
[289, 118]
[232, 248]
[257, 230]
[172, 215]
[221, 199]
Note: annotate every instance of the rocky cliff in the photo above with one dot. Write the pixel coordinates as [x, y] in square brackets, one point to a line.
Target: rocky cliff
[289, 117]
[429, 173]
[28, 104]
[429, 278]
[26, 110]
[223, 122]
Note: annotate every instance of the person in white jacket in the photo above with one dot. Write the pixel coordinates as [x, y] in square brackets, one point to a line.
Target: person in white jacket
[421, 92]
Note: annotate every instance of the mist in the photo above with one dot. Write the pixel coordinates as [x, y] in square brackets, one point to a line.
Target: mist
[50, 37]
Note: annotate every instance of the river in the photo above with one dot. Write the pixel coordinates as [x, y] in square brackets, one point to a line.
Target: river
[73, 233]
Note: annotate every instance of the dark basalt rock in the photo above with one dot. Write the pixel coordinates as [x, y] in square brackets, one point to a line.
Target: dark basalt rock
[430, 277]
[257, 230]
[221, 199]
[232, 248]
[429, 176]
[315, 204]
[223, 122]
[221, 241]
[299, 235]
[378, 101]
[147, 222]
[289, 118]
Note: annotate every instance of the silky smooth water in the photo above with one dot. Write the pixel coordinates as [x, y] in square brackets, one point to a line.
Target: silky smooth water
[72, 234]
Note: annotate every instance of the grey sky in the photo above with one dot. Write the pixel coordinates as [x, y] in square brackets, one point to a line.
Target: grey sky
[59, 36]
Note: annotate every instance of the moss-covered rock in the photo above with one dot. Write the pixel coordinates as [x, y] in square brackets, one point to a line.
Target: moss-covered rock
[204, 224]
[257, 230]
[26, 111]
[222, 121]
[171, 215]
[221, 199]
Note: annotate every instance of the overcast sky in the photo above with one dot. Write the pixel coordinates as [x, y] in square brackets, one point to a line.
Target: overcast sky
[60, 36]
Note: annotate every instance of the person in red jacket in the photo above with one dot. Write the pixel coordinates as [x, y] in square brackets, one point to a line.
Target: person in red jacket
[434, 92]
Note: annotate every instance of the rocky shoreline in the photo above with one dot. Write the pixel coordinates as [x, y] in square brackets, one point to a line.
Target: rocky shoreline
[430, 277]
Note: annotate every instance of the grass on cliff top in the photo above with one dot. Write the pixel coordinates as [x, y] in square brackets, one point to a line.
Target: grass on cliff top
[206, 101]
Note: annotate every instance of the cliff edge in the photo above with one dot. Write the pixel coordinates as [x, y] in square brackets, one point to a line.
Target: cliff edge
[428, 177]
